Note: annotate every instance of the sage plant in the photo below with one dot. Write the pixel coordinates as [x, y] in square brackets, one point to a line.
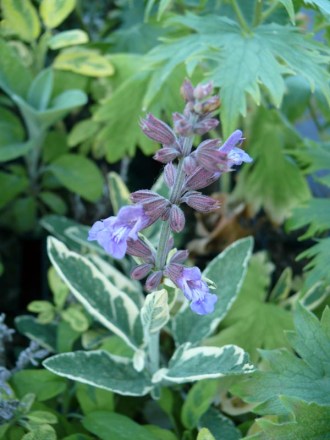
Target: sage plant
[186, 171]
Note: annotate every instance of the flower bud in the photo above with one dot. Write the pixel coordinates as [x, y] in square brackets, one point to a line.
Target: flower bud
[199, 202]
[177, 219]
[201, 91]
[208, 106]
[179, 257]
[169, 174]
[153, 280]
[166, 154]
[205, 125]
[182, 125]
[187, 91]
[154, 205]
[190, 163]
[141, 271]
[139, 248]
[157, 130]
[201, 178]
[208, 155]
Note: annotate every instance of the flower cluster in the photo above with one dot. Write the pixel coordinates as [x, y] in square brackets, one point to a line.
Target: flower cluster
[186, 171]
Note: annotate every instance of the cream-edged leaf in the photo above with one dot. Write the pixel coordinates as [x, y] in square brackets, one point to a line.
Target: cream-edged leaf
[53, 12]
[155, 312]
[68, 38]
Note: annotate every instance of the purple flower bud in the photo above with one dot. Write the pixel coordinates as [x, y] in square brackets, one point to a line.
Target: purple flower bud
[157, 130]
[155, 206]
[179, 257]
[173, 271]
[145, 196]
[208, 106]
[182, 125]
[177, 219]
[190, 163]
[199, 202]
[205, 125]
[208, 156]
[139, 248]
[153, 280]
[113, 233]
[170, 174]
[196, 290]
[166, 154]
[201, 91]
[201, 178]
[141, 271]
[187, 90]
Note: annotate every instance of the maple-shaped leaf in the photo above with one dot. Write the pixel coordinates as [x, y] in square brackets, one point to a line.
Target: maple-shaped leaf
[273, 181]
[323, 5]
[252, 322]
[304, 376]
[316, 214]
[308, 421]
[240, 62]
[318, 267]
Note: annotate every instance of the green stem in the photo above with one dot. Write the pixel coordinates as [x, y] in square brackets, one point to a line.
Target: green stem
[269, 12]
[153, 348]
[257, 13]
[240, 17]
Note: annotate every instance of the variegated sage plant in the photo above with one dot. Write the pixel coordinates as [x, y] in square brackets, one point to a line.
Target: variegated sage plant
[117, 302]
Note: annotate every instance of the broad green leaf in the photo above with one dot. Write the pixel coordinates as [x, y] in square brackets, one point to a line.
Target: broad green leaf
[318, 267]
[82, 131]
[265, 55]
[253, 322]
[54, 146]
[79, 234]
[94, 399]
[45, 335]
[296, 98]
[305, 376]
[66, 337]
[198, 401]
[109, 425]
[219, 425]
[227, 271]
[309, 421]
[160, 433]
[108, 304]
[100, 369]
[13, 151]
[262, 184]
[54, 202]
[155, 312]
[23, 214]
[14, 76]
[315, 213]
[119, 193]
[323, 5]
[11, 128]
[42, 383]
[21, 18]
[41, 89]
[68, 38]
[53, 12]
[43, 432]
[191, 364]
[85, 62]
[11, 186]
[78, 174]
[41, 417]
[57, 225]
[288, 4]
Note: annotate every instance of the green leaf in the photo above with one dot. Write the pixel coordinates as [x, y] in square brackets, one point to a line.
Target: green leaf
[11, 129]
[109, 305]
[119, 193]
[59, 290]
[315, 213]
[24, 214]
[43, 432]
[45, 335]
[41, 417]
[309, 421]
[155, 312]
[227, 271]
[54, 146]
[198, 401]
[41, 89]
[191, 364]
[219, 425]
[53, 12]
[79, 234]
[323, 5]
[42, 383]
[39, 306]
[14, 76]
[68, 38]
[94, 399]
[100, 369]
[292, 375]
[205, 434]
[82, 131]
[288, 4]
[313, 156]
[261, 184]
[11, 186]
[265, 55]
[252, 322]
[76, 318]
[108, 425]
[296, 98]
[13, 151]
[21, 18]
[78, 174]
[318, 267]
[84, 61]
[54, 202]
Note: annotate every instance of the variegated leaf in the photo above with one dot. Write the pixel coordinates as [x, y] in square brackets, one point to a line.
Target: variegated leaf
[53, 12]
[21, 18]
[101, 369]
[155, 312]
[102, 299]
[227, 271]
[68, 38]
[190, 364]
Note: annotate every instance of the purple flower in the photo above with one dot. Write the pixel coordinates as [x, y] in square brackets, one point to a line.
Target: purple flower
[233, 154]
[189, 280]
[112, 233]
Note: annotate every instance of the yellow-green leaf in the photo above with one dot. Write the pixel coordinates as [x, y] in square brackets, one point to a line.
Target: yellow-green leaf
[21, 18]
[53, 12]
[68, 38]
[84, 61]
